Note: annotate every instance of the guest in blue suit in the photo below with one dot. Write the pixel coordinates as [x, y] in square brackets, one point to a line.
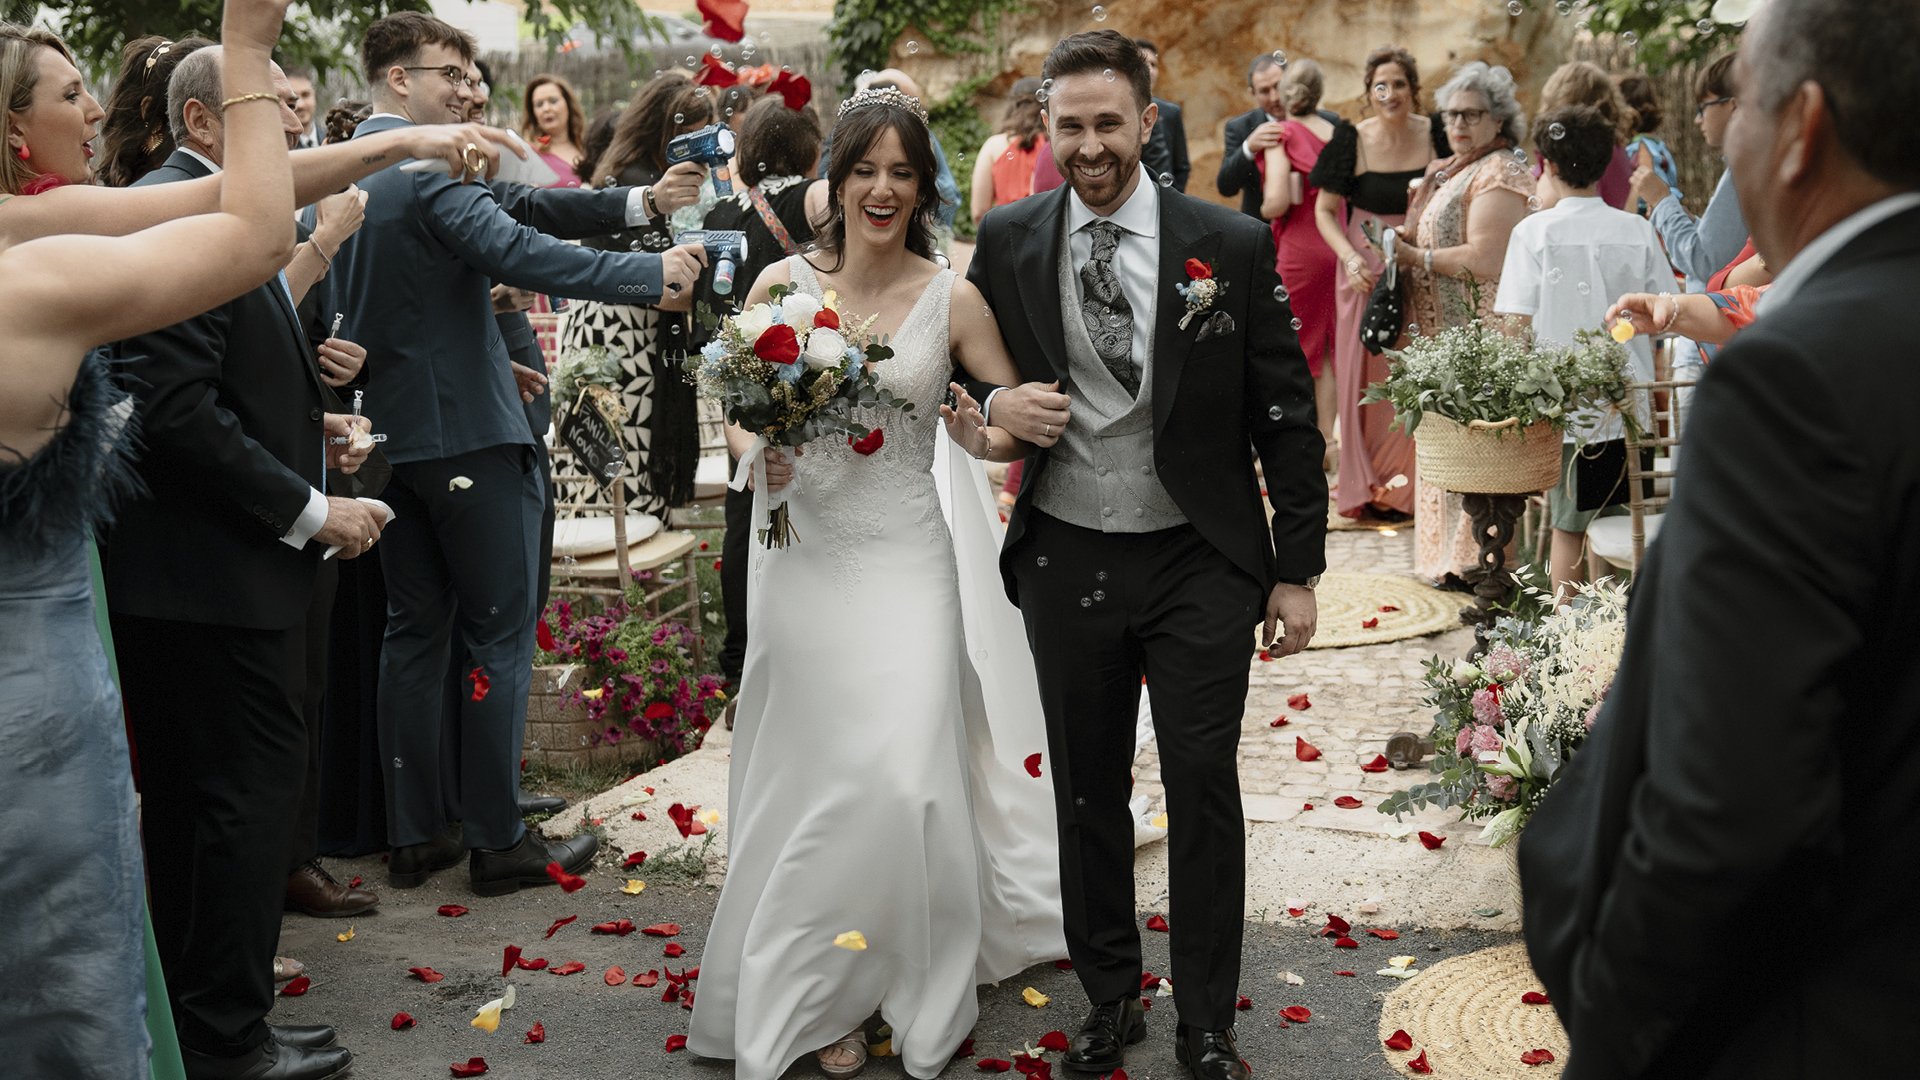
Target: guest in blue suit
[467, 490]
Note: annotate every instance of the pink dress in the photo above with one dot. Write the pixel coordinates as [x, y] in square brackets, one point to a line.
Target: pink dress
[560, 165]
[1305, 262]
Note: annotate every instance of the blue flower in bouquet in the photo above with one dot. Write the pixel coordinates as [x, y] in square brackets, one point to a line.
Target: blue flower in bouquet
[790, 373]
[779, 315]
[713, 350]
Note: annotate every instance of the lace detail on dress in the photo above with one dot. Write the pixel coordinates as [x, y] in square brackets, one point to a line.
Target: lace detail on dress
[851, 490]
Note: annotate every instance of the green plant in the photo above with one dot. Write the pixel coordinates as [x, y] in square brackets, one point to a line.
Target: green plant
[863, 31]
[957, 123]
[1665, 33]
[1475, 372]
[681, 864]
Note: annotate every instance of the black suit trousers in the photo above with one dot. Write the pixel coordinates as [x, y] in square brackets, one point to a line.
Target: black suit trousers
[216, 715]
[459, 559]
[313, 709]
[1103, 610]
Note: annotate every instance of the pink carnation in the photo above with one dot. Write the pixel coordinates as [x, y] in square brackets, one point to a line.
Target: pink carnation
[1503, 788]
[1486, 706]
[1485, 738]
[1504, 663]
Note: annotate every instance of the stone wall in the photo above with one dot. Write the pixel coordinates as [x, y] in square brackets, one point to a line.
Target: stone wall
[1207, 44]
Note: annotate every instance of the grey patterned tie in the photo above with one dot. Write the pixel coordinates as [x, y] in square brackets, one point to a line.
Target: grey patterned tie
[1105, 310]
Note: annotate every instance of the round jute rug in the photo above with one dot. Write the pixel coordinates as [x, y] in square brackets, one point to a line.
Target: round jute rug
[1466, 1014]
[1347, 602]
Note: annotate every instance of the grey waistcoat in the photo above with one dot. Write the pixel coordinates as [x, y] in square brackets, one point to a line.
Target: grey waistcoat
[1100, 474]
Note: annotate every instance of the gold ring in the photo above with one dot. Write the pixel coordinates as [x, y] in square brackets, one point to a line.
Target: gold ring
[469, 155]
[367, 545]
[1048, 431]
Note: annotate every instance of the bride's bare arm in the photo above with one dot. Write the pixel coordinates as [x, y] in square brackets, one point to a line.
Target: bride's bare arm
[977, 347]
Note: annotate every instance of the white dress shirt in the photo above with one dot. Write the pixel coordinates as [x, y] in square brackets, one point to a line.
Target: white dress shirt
[1136, 262]
[1828, 244]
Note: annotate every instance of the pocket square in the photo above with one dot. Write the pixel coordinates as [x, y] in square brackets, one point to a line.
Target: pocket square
[1220, 324]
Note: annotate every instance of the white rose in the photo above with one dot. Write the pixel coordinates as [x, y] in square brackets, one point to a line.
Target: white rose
[826, 348]
[799, 310]
[1465, 673]
[754, 321]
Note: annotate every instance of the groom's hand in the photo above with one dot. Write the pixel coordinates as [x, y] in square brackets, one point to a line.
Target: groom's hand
[1035, 412]
[1293, 607]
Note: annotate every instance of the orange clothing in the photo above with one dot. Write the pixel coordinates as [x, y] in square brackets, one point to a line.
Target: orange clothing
[1013, 171]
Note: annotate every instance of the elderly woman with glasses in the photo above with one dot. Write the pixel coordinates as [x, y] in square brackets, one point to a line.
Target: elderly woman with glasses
[1463, 211]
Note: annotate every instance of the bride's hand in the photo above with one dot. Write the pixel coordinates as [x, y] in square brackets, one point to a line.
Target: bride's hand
[965, 425]
[779, 469]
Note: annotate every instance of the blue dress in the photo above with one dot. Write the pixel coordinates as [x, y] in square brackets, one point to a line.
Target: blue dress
[72, 958]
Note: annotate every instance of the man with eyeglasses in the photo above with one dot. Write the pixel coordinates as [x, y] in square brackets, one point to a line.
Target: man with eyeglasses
[467, 490]
[1698, 248]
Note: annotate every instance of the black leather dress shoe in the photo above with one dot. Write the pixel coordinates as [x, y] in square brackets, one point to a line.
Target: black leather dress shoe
[540, 804]
[305, 1036]
[1209, 1055]
[497, 873]
[1101, 1045]
[271, 1061]
[409, 867]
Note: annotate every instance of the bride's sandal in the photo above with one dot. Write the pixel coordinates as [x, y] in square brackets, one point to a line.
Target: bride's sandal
[834, 1058]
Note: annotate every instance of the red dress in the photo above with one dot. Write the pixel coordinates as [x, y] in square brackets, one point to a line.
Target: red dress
[1306, 264]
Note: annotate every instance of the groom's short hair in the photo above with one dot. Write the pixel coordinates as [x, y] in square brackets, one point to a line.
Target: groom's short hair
[1099, 51]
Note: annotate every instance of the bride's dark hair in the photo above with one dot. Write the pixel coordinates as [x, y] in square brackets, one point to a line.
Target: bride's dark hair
[853, 136]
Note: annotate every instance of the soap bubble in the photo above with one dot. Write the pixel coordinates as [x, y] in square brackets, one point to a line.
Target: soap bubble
[1100, 576]
[1629, 39]
[1514, 168]
[1581, 26]
[1556, 130]
[1099, 13]
[1041, 561]
[1275, 413]
[913, 47]
[1515, 7]
[706, 597]
[766, 37]
[716, 49]
[729, 111]
[692, 61]
[679, 118]
[1413, 329]
[1705, 26]
[1563, 7]
[1280, 57]
[1099, 594]
[1554, 275]
[1086, 601]
[762, 166]
[1296, 324]
[1280, 293]
[1533, 202]
[1439, 178]
[1109, 74]
[1166, 179]
[1583, 289]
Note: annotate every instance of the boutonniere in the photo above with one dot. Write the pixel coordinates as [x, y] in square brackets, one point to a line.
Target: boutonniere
[1200, 291]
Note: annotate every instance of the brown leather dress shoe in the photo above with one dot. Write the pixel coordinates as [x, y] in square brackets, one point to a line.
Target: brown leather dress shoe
[312, 890]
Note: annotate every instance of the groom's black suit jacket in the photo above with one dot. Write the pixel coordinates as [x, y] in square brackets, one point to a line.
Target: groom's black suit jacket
[1212, 400]
[1695, 882]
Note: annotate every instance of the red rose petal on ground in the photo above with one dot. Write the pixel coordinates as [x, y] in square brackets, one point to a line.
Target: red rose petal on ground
[1281, 722]
[472, 1067]
[1148, 980]
[647, 978]
[966, 1045]
[1299, 702]
[1535, 997]
[1145, 1004]
[637, 857]
[1063, 965]
[1053, 1040]
[1348, 974]
[1378, 764]
[1296, 912]
[1244, 1003]
[1347, 802]
[531, 965]
[621, 927]
[1399, 1040]
[427, 975]
[1033, 765]
[1433, 842]
[615, 975]
[1157, 922]
[674, 948]
[1304, 750]
[355, 883]
[558, 923]
[452, 911]
[1383, 935]
[509, 956]
[670, 994]
[676, 1042]
[1388, 607]
[665, 929]
[638, 816]
[871, 442]
[992, 1065]
[537, 1033]
[1305, 806]
[567, 882]
[1299, 1014]
[1536, 1057]
[693, 974]
[571, 967]
[1118, 1074]
[1368, 624]
[682, 817]
[296, 987]
[1345, 943]
[402, 1020]
[1335, 926]
[1419, 1064]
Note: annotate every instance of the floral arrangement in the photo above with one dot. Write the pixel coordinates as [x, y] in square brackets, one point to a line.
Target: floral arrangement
[636, 675]
[1508, 726]
[1200, 289]
[790, 372]
[1477, 372]
[592, 371]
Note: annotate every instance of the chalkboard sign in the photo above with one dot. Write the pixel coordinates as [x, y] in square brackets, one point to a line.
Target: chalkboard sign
[594, 441]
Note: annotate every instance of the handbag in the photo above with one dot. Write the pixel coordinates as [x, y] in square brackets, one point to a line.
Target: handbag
[772, 221]
[1600, 475]
[1386, 309]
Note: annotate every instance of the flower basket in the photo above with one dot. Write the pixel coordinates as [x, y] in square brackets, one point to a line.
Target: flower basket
[1488, 458]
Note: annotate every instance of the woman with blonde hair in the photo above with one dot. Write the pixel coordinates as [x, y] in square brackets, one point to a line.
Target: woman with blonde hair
[552, 122]
[1581, 82]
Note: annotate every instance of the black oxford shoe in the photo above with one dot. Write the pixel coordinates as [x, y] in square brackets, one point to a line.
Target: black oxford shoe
[271, 1060]
[1209, 1055]
[540, 804]
[409, 867]
[1101, 1045]
[304, 1036]
[497, 873]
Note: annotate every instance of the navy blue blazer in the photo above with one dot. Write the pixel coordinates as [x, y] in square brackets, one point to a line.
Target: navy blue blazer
[414, 285]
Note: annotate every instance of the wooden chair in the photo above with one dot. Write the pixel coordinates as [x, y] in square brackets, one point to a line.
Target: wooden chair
[1622, 541]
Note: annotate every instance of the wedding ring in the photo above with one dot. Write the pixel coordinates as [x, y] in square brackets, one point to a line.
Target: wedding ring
[1048, 430]
[476, 161]
[367, 545]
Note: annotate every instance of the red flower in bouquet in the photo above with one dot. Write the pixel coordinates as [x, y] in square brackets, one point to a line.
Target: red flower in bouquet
[777, 344]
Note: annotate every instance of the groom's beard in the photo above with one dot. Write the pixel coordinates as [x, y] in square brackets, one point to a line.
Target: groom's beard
[1103, 189]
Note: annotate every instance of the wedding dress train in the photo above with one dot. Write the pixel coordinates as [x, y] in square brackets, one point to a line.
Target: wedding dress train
[878, 779]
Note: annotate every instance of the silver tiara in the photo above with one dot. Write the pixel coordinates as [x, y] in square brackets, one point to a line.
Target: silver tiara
[884, 96]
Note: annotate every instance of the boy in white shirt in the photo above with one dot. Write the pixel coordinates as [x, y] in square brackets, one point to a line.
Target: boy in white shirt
[1564, 265]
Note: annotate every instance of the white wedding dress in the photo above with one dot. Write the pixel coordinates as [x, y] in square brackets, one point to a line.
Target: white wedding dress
[885, 713]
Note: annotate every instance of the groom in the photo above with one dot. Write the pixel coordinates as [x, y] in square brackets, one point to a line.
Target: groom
[1138, 546]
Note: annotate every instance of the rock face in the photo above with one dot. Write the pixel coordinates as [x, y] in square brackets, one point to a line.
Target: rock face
[1206, 46]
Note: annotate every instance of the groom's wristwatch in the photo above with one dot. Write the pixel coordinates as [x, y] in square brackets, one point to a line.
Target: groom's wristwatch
[1305, 583]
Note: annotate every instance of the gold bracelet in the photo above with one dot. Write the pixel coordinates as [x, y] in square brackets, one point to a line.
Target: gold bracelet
[258, 96]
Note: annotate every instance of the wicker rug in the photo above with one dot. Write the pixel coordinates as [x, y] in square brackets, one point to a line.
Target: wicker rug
[1466, 1013]
[1349, 601]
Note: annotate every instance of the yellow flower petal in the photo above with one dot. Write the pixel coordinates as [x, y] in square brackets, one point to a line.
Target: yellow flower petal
[710, 816]
[489, 1018]
[593, 694]
[1159, 822]
[1034, 997]
[831, 300]
[1401, 961]
[853, 940]
[633, 887]
[348, 936]
[1398, 973]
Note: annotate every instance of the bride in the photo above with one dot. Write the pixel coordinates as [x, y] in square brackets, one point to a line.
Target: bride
[888, 700]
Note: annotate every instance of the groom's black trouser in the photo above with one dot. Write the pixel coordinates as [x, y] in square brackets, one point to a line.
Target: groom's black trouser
[1104, 610]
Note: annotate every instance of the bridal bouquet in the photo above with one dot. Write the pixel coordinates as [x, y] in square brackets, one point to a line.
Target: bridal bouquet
[790, 371]
[1508, 726]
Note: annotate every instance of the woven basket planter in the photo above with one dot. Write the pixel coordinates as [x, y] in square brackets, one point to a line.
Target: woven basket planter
[1489, 459]
[561, 734]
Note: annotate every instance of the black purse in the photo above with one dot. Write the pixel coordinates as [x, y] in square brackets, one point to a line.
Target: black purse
[1600, 475]
[1386, 310]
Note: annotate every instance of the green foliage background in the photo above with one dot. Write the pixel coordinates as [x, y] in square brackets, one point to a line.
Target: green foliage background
[1670, 32]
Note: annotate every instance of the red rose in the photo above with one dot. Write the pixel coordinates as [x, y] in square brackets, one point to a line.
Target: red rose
[826, 316]
[726, 20]
[797, 91]
[715, 73]
[659, 710]
[868, 445]
[1198, 270]
[777, 345]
